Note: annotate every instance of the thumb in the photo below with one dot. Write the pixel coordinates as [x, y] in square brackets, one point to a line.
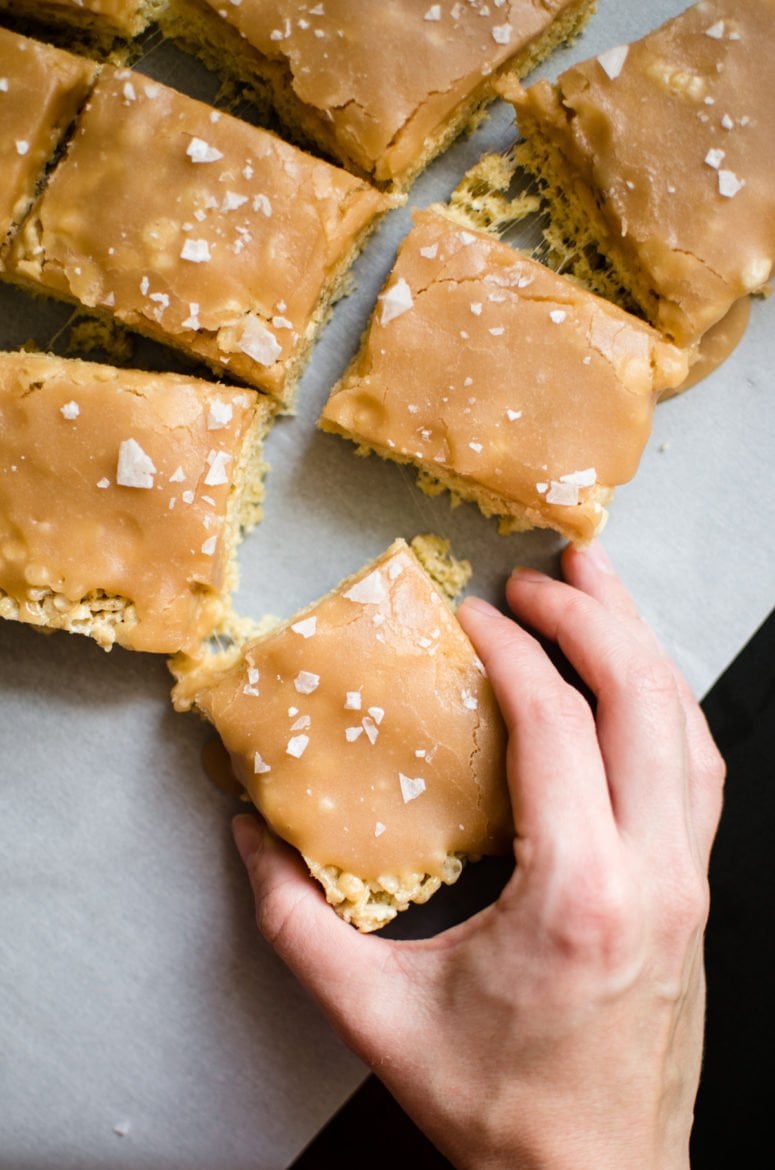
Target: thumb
[343, 970]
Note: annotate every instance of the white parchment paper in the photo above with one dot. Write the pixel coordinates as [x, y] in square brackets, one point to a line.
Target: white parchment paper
[142, 1022]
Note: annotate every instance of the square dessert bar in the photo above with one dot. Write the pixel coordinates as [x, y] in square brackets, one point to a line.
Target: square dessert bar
[503, 382]
[660, 155]
[41, 91]
[197, 229]
[367, 734]
[382, 87]
[105, 18]
[122, 497]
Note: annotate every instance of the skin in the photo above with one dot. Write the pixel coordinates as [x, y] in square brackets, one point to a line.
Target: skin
[562, 1026]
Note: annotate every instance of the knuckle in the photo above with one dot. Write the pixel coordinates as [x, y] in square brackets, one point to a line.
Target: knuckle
[558, 705]
[652, 678]
[596, 917]
[687, 905]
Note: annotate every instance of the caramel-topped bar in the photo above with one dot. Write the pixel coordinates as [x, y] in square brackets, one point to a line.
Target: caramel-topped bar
[41, 90]
[122, 495]
[368, 736]
[382, 87]
[661, 155]
[504, 382]
[111, 18]
[197, 229]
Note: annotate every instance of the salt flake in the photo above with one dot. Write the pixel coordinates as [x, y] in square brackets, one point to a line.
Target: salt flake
[370, 591]
[612, 60]
[258, 342]
[197, 251]
[306, 628]
[219, 415]
[411, 787]
[397, 300]
[135, 468]
[200, 151]
[306, 682]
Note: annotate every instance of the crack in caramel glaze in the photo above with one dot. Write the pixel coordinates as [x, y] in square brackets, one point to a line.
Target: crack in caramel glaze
[366, 731]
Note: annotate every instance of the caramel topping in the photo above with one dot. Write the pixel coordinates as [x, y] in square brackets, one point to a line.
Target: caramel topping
[116, 484]
[386, 83]
[686, 191]
[485, 364]
[226, 252]
[128, 17]
[719, 343]
[41, 89]
[365, 730]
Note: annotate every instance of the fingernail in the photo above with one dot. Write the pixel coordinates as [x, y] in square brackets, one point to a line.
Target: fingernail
[480, 606]
[248, 835]
[526, 573]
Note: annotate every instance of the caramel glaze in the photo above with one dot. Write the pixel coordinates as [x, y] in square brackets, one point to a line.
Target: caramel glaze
[41, 90]
[125, 16]
[365, 731]
[719, 343]
[508, 376]
[225, 253]
[674, 159]
[383, 82]
[70, 531]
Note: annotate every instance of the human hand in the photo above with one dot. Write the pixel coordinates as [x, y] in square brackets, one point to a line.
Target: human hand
[562, 1026]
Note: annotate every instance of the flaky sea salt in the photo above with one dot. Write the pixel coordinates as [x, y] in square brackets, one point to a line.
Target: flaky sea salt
[395, 301]
[258, 341]
[219, 415]
[370, 591]
[217, 473]
[297, 745]
[306, 682]
[729, 184]
[306, 627]
[196, 251]
[411, 787]
[612, 60]
[200, 151]
[135, 468]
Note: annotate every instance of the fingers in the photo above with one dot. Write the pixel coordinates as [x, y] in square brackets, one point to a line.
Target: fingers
[591, 570]
[558, 786]
[651, 735]
[339, 967]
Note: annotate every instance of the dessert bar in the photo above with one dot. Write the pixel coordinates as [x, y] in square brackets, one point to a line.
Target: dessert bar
[382, 87]
[659, 156]
[122, 497]
[197, 229]
[366, 733]
[504, 382]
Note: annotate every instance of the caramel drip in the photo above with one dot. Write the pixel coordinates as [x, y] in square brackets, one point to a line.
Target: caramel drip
[719, 343]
